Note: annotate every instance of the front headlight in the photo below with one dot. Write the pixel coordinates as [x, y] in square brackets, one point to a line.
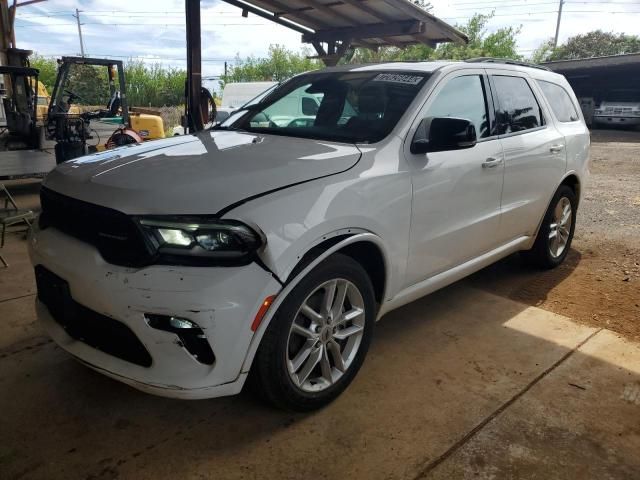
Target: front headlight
[193, 240]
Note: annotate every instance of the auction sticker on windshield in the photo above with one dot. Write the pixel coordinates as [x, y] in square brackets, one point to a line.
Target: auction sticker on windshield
[398, 78]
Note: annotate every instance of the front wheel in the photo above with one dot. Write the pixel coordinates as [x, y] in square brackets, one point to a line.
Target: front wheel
[556, 232]
[318, 338]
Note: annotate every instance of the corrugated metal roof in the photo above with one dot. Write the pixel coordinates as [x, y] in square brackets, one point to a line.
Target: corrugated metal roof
[627, 59]
[369, 23]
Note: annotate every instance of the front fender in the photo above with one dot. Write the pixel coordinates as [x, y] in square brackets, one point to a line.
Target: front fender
[290, 285]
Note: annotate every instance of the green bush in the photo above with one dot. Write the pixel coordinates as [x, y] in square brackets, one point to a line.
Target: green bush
[148, 85]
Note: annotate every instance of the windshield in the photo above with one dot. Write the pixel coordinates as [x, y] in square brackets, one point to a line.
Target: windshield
[354, 107]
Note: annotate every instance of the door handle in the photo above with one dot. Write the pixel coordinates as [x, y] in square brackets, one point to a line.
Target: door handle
[492, 162]
[556, 148]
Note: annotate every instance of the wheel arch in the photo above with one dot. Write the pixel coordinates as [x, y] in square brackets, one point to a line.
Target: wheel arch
[364, 247]
[571, 180]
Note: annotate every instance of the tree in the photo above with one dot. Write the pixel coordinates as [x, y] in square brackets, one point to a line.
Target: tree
[501, 43]
[424, 5]
[543, 52]
[48, 69]
[147, 85]
[595, 44]
[279, 65]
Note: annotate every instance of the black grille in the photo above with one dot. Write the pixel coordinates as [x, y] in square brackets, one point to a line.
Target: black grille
[83, 324]
[113, 233]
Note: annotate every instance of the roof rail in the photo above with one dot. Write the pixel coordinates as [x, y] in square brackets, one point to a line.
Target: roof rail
[506, 61]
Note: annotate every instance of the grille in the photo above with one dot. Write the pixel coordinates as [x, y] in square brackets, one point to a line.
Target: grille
[113, 233]
[83, 324]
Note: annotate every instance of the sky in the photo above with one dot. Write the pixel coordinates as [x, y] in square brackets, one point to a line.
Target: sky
[153, 30]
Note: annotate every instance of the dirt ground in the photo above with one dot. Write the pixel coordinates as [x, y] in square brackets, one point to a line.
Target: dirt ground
[599, 284]
[481, 380]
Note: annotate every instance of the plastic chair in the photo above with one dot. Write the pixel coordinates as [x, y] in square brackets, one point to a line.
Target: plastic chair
[11, 215]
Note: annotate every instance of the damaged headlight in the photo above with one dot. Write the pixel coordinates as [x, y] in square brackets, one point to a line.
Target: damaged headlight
[196, 240]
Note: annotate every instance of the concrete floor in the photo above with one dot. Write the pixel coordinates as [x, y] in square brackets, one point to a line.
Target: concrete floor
[461, 384]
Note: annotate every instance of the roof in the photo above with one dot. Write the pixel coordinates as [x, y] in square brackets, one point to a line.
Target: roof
[371, 24]
[11, 70]
[628, 59]
[430, 66]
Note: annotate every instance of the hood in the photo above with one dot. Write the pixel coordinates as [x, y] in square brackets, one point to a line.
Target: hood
[197, 174]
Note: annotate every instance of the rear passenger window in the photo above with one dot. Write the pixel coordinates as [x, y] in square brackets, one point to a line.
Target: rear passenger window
[463, 97]
[560, 101]
[518, 109]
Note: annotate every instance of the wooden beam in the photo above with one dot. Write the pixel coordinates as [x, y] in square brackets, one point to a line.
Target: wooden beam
[326, 8]
[378, 30]
[269, 16]
[414, 11]
[367, 9]
[286, 10]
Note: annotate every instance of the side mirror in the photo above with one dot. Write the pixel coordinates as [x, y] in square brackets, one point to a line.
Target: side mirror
[437, 134]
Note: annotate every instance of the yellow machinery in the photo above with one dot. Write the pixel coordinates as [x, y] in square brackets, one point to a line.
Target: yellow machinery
[123, 125]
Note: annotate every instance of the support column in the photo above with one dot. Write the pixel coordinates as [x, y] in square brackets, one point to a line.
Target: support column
[194, 66]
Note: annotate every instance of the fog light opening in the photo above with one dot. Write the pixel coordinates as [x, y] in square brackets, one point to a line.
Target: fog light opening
[191, 336]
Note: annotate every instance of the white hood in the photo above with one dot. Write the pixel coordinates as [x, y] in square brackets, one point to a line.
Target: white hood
[197, 174]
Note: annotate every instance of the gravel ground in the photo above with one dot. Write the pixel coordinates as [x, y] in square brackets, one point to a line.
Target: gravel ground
[599, 284]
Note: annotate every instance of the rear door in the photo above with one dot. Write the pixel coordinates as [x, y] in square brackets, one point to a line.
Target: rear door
[534, 153]
[456, 194]
[566, 111]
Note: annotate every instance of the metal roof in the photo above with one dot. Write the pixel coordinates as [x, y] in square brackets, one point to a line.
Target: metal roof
[370, 23]
[624, 60]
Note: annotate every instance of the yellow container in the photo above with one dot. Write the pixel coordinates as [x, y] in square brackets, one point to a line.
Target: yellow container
[149, 127]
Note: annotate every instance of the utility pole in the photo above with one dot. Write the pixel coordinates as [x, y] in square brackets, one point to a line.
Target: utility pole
[77, 15]
[555, 39]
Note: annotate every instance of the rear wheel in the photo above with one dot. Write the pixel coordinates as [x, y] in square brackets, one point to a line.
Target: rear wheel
[319, 337]
[556, 232]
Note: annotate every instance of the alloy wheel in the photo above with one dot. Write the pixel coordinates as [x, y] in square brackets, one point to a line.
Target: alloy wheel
[325, 335]
[560, 228]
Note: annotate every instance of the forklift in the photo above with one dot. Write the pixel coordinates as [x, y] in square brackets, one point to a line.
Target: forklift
[20, 104]
[71, 130]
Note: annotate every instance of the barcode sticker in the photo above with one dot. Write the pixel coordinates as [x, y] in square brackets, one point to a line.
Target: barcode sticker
[398, 78]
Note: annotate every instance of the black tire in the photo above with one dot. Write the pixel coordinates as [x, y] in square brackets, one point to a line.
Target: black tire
[541, 255]
[270, 374]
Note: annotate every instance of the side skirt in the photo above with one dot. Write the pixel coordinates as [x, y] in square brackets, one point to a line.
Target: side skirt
[443, 279]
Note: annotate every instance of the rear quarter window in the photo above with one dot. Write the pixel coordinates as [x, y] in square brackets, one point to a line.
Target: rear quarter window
[518, 109]
[560, 101]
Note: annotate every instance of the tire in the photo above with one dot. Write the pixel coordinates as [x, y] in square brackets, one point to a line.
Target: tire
[548, 250]
[283, 347]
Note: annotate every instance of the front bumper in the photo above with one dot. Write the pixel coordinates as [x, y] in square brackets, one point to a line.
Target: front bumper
[616, 120]
[222, 301]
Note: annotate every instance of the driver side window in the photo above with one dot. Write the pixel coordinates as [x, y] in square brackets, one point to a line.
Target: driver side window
[463, 97]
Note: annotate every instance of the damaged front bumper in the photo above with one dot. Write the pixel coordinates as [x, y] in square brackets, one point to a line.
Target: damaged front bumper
[221, 302]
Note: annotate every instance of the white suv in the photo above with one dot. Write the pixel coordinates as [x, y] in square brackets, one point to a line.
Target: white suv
[267, 251]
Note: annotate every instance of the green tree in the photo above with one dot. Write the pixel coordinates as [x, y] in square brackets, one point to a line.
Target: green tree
[595, 44]
[148, 85]
[154, 85]
[279, 65]
[48, 68]
[501, 43]
[543, 52]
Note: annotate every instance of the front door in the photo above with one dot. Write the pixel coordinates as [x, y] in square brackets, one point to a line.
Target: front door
[456, 194]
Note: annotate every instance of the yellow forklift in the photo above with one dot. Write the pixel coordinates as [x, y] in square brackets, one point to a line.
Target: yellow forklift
[72, 130]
